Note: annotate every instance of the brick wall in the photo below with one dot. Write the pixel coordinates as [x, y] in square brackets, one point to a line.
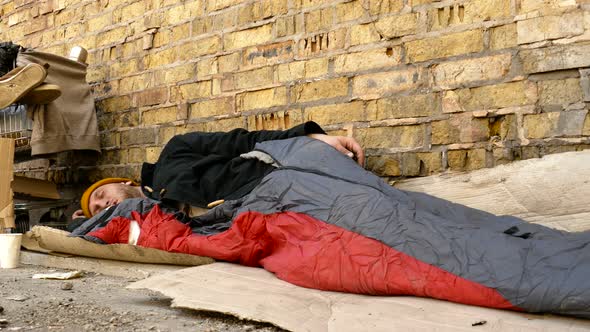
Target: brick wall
[424, 85]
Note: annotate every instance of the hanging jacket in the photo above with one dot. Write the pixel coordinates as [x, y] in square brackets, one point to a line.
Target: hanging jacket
[199, 168]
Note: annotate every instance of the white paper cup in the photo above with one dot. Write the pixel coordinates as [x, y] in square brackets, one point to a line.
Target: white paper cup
[10, 250]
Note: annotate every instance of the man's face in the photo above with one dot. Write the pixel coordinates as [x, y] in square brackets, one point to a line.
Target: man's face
[110, 194]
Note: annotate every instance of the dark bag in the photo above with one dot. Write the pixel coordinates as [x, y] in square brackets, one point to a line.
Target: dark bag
[8, 53]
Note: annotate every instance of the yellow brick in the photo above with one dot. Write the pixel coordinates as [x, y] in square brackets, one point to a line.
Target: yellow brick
[99, 23]
[261, 9]
[460, 73]
[213, 5]
[136, 155]
[207, 67]
[123, 68]
[264, 55]
[290, 71]
[229, 63]
[194, 49]
[490, 97]
[161, 58]
[202, 25]
[445, 46]
[191, 91]
[398, 26]
[319, 19]
[460, 128]
[275, 121]
[339, 113]
[503, 37]
[249, 37]
[253, 78]
[408, 106]
[363, 34]
[114, 104]
[467, 160]
[349, 11]
[300, 4]
[378, 58]
[166, 133]
[262, 99]
[133, 83]
[320, 90]
[176, 74]
[390, 137]
[159, 115]
[316, 67]
[111, 36]
[560, 92]
[181, 32]
[212, 107]
[377, 7]
[372, 86]
[183, 12]
[224, 124]
[130, 12]
[152, 154]
[96, 74]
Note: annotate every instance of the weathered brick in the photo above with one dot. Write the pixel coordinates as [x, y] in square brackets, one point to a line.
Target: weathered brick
[363, 34]
[377, 7]
[339, 113]
[550, 27]
[453, 74]
[316, 67]
[445, 46]
[285, 26]
[138, 136]
[466, 160]
[321, 19]
[177, 74]
[372, 86]
[229, 63]
[114, 104]
[260, 10]
[96, 74]
[460, 129]
[301, 4]
[151, 97]
[253, 78]
[211, 107]
[384, 165]
[129, 12]
[180, 32]
[165, 134]
[560, 92]
[349, 11]
[268, 54]
[504, 127]
[196, 48]
[552, 58]
[377, 58]
[202, 25]
[249, 37]
[134, 83]
[490, 97]
[136, 155]
[544, 6]
[213, 5]
[191, 91]
[324, 89]
[398, 26]
[99, 23]
[110, 139]
[152, 154]
[290, 71]
[554, 124]
[473, 11]
[390, 137]
[225, 20]
[183, 12]
[586, 128]
[262, 99]
[207, 67]
[275, 121]
[224, 124]
[159, 115]
[116, 35]
[421, 164]
[161, 58]
[408, 106]
[504, 36]
[123, 68]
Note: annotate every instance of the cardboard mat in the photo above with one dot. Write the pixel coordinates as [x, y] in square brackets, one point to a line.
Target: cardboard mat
[256, 294]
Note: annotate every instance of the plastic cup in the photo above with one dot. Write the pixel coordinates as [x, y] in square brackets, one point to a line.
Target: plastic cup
[10, 250]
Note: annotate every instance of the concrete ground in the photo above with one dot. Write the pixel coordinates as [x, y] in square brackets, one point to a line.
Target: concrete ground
[97, 302]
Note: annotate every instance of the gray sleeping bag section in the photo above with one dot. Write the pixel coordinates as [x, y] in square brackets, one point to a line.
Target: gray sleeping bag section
[534, 267]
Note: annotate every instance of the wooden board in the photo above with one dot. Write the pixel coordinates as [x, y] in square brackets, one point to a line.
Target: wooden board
[256, 294]
[553, 190]
[6, 174]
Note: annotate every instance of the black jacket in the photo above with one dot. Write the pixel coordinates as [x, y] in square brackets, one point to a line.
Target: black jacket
[199, 168]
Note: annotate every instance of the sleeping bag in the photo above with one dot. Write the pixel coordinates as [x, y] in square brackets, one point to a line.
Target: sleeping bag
[319, 220]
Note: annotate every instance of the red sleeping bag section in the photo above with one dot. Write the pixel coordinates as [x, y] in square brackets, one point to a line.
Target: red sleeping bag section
[307, 252]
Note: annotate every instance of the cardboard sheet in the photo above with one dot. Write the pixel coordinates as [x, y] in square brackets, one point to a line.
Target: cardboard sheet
[553, 190]
[35, 187]
[256, 294]
[57, 240]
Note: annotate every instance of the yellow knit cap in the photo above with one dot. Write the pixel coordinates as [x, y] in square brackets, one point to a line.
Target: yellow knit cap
[85, 200]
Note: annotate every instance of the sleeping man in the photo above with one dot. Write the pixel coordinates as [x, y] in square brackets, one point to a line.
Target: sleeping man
[300, 208]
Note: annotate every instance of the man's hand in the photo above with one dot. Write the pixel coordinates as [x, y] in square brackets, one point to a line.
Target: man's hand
[78, 214]
[347, 145]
